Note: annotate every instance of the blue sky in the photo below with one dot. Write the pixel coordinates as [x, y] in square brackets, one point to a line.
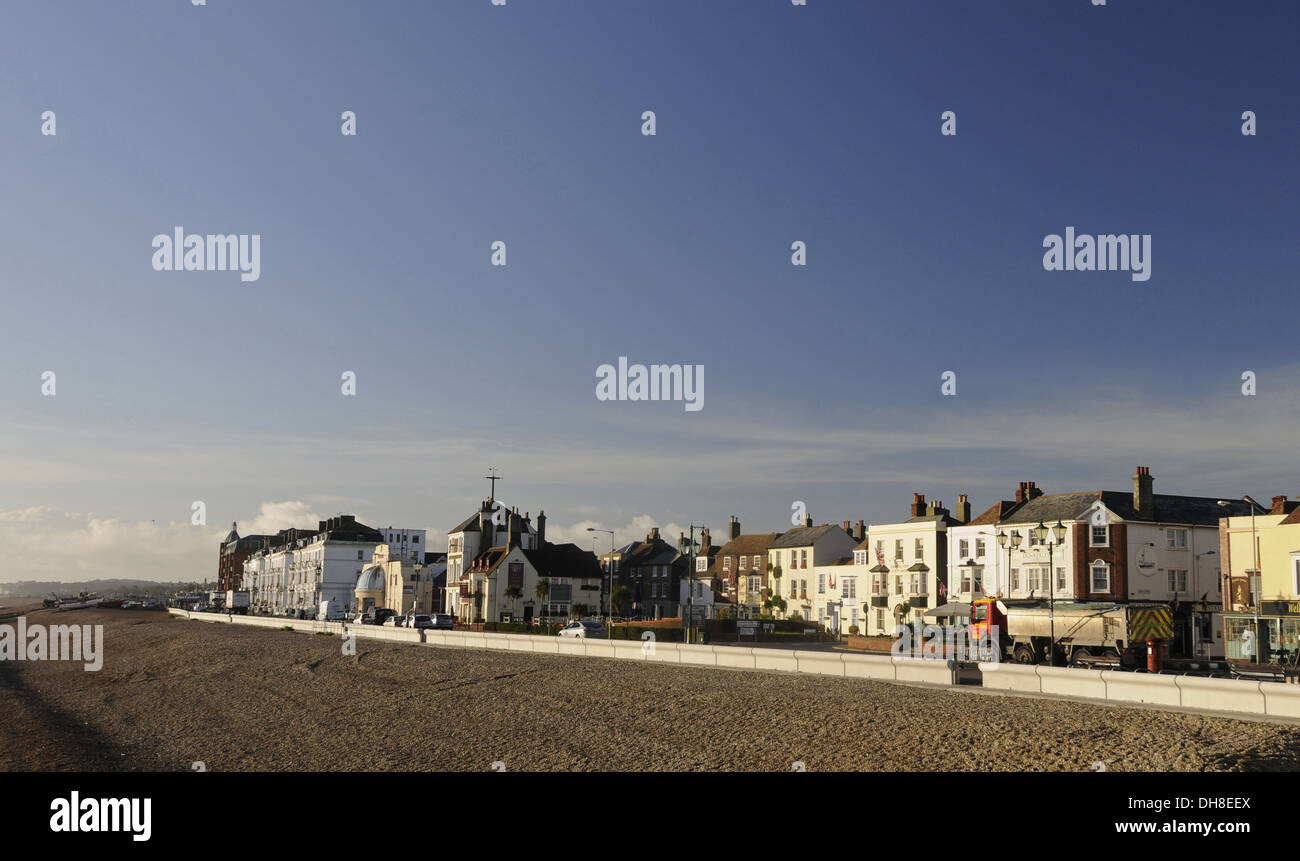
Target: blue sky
[522, 123]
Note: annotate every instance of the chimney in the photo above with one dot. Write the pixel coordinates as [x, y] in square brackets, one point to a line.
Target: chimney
[1032, 490]
[848, 527]
[654, 535]
[931, 507]
[807, 520]
[734, 530]
[705, 542]
[963, 509]
[918, 504]
[541, 529]
[1020, 491]
[1143, 502]
[1279, 505]
[512, 537]
[860, 531]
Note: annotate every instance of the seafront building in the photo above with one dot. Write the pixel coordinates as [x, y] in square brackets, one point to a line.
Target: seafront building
[298, 569]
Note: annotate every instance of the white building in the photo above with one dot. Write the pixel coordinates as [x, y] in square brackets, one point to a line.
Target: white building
[299, 569]
[799, 555]
[490, 526]
[915, 562]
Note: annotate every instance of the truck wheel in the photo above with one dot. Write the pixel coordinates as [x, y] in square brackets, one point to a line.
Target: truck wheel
[1079, 653]
[1024, 653]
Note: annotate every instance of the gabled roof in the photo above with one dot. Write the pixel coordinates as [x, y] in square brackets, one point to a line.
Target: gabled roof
[1290, 519]
[657, 552]
[749, 545]
[804, 536]
[1166, 508]
[564, 560]
[995, 513]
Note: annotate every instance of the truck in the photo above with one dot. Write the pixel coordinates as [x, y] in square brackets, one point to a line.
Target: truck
[236, 601]
[1083, 629]
[330, 611]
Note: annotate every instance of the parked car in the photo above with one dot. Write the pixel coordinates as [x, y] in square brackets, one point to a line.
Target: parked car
[583, 629]
[421, 621]
[444, 620]
[393, 621]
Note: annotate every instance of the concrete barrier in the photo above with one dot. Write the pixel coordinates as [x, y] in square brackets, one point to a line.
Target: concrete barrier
[924, 671]
[739, 658]
[569, 646]
[869, 667]
[664, 653]
[627, 650]
[543, 644]
[498, 642]
[1141, 688]
[521, 643]
[1021, 678]
[1280, 699]
[703, 656]
[596, 648]
[1072, 682]
[1229, 695]
[773, 659]
[821, 663]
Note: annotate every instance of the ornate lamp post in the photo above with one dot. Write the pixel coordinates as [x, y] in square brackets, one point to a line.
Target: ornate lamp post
[609, 629]
[1040, 536]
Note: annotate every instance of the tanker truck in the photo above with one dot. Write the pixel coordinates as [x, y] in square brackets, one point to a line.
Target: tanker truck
[1083, 629]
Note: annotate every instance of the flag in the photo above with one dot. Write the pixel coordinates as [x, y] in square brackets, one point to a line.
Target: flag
[943, 591]
[880, 557]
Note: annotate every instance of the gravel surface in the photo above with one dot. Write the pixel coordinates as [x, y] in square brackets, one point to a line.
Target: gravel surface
[173, 692]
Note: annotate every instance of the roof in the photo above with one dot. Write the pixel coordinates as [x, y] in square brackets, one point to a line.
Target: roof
[1166, 508]
[945, 519]
[804, 536]
[371, 579]
[564, 560]
[749, 545]
[1291, 519]
[994, 513]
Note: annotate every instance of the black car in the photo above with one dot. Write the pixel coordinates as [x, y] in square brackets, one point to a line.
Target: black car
[377, 616]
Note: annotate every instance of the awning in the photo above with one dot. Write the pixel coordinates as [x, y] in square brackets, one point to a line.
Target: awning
[952, 608]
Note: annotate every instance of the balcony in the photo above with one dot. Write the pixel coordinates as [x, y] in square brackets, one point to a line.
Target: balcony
[880, 600]
[919, 601]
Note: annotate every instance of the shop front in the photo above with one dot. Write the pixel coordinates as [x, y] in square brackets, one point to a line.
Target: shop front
[1272, 637]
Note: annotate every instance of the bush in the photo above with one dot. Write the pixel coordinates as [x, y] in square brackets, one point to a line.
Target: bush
[853, 629]
[286, 627]
[520, 628]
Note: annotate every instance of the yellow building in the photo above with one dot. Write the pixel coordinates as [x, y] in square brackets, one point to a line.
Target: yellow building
[1261, 589]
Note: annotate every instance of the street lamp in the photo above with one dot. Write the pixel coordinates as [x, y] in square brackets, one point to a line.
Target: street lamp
[1040, 536]
[689, 549]
[609, 629]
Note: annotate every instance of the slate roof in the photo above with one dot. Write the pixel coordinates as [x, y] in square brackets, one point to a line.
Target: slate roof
[564, 560]
[749, 545]
[995, 513]
[1194, 510]
[803, 536]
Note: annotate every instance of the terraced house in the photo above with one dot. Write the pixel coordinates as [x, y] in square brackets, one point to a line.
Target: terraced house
[1260, 561]
[910, 572]
[794, 558]
[652, 572]
[741, 567]
[1125, 546]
